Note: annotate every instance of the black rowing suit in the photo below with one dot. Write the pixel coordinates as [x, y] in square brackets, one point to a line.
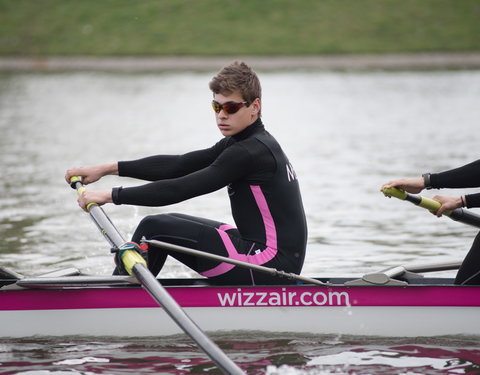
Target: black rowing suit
[467, 176]
[271, 228]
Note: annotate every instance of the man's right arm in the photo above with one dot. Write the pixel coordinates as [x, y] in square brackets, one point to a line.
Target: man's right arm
[161, 167]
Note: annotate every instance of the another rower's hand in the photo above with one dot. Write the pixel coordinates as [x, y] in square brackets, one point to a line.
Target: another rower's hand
[410, 185]
[94, 196]
[448, 204]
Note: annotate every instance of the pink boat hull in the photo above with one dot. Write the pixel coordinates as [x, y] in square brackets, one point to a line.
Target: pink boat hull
[420, 310]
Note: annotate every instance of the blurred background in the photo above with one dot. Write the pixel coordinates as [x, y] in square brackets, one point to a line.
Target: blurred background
[236, 27]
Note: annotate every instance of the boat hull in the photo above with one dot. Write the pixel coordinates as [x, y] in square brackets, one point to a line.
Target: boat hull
[423, 310]
[142, 322]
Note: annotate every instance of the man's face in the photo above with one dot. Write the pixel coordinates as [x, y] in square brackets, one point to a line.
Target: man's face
[234, 123]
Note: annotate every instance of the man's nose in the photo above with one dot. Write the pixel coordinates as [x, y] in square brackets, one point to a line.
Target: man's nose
[222, 114]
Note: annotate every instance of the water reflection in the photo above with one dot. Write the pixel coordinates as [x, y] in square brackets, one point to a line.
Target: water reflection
[345, 134]
[254, 353]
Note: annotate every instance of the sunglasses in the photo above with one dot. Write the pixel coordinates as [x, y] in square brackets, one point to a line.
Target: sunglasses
[229, 107]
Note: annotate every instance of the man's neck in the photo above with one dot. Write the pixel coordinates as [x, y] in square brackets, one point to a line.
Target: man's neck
[249, 130]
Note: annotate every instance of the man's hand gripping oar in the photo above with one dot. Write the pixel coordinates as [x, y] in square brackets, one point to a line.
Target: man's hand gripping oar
[135, 265]
[127, 252]
[458, 214]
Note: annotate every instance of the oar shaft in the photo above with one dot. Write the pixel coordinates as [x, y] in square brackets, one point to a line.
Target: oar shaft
[105, 226]
[466, 217]
[100, 218]
[400, 270]
[219, 258]
[183, 321]
[434, 267]
[134, 264]
[459, 214]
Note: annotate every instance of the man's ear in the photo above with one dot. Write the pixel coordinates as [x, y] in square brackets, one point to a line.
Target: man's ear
[256, 106]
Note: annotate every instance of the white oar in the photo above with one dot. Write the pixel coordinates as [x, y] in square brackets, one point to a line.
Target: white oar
[135, 265]
[219, 258]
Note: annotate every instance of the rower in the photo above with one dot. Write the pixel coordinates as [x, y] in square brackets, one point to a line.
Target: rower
[270, 225]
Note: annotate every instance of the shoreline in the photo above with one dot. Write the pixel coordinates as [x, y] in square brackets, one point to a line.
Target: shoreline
[389, 62]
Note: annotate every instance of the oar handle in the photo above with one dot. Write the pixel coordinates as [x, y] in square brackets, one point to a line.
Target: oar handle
[418, 200]
[458, 214]
[76, 183]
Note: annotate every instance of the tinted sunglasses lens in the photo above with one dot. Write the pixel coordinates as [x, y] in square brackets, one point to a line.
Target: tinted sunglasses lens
[232, 108]
[229, 108]
[216, 107]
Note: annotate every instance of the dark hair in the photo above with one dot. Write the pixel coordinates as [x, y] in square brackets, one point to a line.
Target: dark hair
[237, 76]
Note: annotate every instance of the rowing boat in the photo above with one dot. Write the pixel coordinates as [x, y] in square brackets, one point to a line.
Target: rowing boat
[396, 302]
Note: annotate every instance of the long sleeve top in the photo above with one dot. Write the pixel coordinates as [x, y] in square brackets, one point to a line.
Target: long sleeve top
[467, 176]
[262, 186]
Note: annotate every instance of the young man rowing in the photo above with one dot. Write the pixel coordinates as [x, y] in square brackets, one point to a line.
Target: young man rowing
[271, 228]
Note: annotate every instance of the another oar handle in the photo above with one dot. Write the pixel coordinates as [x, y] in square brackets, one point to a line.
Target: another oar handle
[127, 252]
[418, 200]
[458, 214]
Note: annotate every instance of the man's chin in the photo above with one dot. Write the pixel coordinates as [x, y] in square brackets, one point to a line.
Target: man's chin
[227, 132]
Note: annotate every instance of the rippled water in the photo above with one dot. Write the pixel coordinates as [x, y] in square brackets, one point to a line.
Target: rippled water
[345, 133]
[273, 355]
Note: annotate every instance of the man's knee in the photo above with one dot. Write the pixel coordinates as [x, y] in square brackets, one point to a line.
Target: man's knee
[154, 221]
